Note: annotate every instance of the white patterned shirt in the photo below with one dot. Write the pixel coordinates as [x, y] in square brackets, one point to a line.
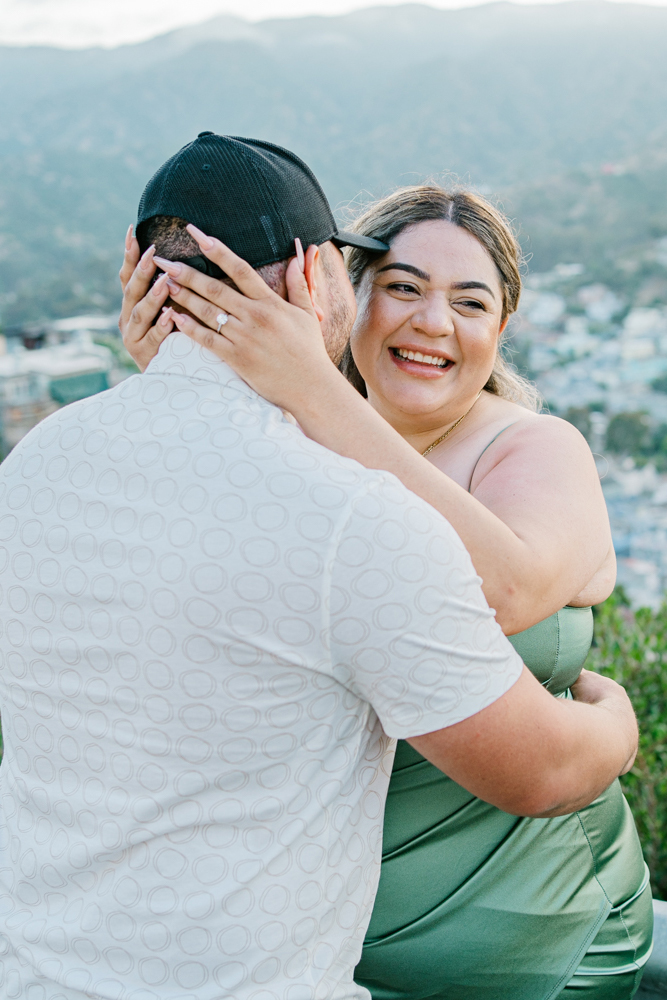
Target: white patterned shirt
[212, 631]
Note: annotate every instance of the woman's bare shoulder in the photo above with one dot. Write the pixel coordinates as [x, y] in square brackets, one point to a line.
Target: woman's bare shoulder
[545, 426]
[535, 441]
[526, 427]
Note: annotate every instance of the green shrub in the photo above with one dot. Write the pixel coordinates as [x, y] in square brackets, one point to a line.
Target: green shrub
[580, 416]
[631, 647]
[628, 434]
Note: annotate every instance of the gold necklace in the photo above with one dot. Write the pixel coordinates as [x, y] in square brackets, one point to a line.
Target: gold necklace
[452, 428]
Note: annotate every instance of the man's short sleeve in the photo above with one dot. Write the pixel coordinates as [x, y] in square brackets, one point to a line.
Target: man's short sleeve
[410, 629]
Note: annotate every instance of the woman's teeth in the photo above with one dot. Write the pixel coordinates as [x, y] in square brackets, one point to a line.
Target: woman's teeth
[425, 359]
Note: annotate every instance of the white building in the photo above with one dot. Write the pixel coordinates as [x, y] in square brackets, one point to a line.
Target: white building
[35, 383]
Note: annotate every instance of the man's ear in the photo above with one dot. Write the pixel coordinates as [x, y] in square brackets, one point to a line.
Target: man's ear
[312, 269]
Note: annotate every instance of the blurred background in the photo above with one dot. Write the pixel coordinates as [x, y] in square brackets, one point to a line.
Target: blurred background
[556, 111]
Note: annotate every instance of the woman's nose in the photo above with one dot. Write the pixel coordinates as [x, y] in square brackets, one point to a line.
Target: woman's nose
[434, 317]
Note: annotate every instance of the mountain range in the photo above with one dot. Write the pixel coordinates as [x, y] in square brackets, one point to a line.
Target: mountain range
[558, 110]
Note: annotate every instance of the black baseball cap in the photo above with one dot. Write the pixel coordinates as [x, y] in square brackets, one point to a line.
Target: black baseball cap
[254, 196]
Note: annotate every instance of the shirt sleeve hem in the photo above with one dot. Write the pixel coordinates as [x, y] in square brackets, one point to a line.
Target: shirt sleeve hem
[434, 721]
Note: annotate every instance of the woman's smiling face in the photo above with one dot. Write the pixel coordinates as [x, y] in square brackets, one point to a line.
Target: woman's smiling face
[430, 315]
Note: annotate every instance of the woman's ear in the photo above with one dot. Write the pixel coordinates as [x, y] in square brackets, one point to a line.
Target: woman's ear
[503, 325]
[311, 271]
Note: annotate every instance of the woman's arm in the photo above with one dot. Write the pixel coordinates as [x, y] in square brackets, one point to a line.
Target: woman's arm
[535, 755]
[534, 537]
[601, 585]
[536, 528]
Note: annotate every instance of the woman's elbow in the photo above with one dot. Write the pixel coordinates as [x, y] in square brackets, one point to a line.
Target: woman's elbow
[518, 607]
[532, 803]
[559, 797]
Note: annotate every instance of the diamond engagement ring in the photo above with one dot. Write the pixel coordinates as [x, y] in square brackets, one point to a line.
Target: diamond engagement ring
[221, 319]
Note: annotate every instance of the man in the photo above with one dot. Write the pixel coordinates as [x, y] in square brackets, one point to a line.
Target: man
[213, 630]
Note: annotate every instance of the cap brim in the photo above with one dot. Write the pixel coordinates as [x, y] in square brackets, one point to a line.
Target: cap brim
[346, 239]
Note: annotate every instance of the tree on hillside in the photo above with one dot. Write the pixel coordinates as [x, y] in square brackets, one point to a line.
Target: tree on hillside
[628, 434]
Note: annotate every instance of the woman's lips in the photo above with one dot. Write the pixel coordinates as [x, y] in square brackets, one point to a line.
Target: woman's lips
[421, 368]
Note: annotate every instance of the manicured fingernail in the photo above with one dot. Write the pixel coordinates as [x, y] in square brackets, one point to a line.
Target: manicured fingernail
[300, 255]
[158, 287]
[128, 238]
[204, 241]
[146, 262]
[165, 319]
[173, 287]
[170, 266]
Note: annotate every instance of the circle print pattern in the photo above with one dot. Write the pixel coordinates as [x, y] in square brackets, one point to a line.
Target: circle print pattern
[212, 628]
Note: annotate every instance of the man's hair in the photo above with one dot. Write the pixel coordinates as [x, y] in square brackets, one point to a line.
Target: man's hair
[173, 242]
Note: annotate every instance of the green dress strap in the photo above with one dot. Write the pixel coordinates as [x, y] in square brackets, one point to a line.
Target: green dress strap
[486, 448]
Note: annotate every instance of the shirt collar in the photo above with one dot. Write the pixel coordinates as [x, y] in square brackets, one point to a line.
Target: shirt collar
[179, 355]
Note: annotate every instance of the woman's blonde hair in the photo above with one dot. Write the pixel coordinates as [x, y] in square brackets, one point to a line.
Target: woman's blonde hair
[408, 206]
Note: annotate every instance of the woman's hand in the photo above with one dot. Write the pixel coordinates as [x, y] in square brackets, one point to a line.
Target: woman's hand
[143, 323]
[595, 689]
[275, 346]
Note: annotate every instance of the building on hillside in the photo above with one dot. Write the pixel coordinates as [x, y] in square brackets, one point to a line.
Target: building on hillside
[43, 368]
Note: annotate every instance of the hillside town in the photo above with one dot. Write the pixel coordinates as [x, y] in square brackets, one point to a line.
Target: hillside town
[45, 366]
[599, 359]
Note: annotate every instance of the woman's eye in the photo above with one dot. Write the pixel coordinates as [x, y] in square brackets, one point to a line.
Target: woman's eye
[403, 288]
[472, 304]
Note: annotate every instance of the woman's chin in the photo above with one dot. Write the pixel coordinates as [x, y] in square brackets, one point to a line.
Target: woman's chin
[416, 400]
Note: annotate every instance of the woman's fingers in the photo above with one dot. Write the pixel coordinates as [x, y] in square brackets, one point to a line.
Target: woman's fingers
[130, 258]
[138, 284]
[242, 274]
[159, 332]
[208, 289]
[202, 309]
[146, 309]
[140, 338]
[298, 293]
[203, 335]
[151, 341]
[144, 349]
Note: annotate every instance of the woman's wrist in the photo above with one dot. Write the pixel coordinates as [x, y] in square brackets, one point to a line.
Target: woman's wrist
[326, 391]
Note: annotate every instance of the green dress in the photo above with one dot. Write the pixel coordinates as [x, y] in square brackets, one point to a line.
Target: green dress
[475, 904]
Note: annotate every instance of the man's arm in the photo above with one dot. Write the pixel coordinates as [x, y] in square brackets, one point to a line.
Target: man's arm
[531, 754]
[412, 634]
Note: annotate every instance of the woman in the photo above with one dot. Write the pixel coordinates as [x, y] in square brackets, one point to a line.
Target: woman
[472, 902]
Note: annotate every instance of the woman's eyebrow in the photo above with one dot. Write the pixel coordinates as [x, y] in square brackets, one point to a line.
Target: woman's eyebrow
[418, 273]
[462, 285]
[405, 267]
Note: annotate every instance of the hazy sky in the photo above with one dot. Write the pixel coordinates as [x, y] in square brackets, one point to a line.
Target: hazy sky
[113, 22]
